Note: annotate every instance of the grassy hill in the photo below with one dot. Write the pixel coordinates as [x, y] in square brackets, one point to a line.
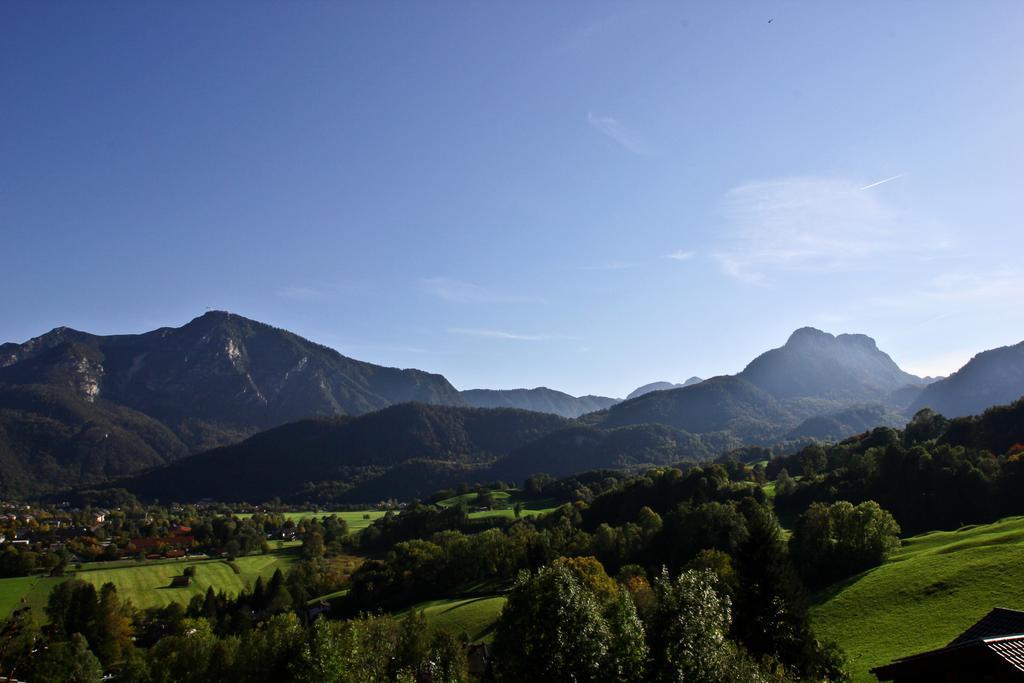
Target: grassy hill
[504, 504]
[473, 617]
[931, 590]
[471, 610]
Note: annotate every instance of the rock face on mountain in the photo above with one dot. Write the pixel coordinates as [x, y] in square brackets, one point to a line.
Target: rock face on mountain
[78, 408]
[815, 374]
[541, 400]
[662, 386]
[991, 378]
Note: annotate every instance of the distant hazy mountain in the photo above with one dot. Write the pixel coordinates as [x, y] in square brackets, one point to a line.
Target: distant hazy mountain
[541, 400]
[726, 404]
[816, 364]
[991, 378]
[77, 408]
[425, 445]
[661, 386]
[815, 374]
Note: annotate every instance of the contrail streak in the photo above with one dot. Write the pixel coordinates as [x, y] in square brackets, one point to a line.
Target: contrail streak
[880, 182]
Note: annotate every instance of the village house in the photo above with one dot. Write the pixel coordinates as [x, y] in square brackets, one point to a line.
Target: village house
[990, 651]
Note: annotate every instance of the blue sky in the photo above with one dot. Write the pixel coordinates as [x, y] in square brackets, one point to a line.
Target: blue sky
[588, 196]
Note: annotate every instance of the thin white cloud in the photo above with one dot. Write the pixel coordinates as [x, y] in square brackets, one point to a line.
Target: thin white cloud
[456, 291]
[300, 293]
[611, 265]
[681, 255]
[882, 182]
[998, 286]
[813, 224]
[497, 334]
[628, 139]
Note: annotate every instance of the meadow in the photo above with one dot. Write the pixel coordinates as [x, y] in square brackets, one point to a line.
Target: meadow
[147, 584]
[504, 504]
[356, 519]
[473, 617]
[32, 591]
[470, 611]
[934, 587]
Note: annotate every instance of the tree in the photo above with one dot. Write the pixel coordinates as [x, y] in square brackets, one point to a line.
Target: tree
[771, 609]
[313, 545]
[67, 662]
[831, 542]
[19, 636]
[72, 608]
[266, 652]
[690, 627]
[111, 632]
[553, 628]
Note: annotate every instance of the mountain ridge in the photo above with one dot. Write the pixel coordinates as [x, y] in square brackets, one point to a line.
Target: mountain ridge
[539, 399]
[992, 377]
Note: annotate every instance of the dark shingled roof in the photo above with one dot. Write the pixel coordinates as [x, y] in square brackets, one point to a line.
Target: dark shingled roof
[1010, 649]
[1000, 633]
[999, 622]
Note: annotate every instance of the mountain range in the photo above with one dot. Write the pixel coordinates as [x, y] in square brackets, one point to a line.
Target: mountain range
[541, 399]
[78, 409]
[839, 383]
[82, 408]
[662, 386]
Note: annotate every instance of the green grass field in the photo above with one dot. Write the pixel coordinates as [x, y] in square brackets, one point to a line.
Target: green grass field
[32, 591]
[474, 617]
[470, 610]
[356, 519]
[504, 504]
[930, 590]
[147, 584]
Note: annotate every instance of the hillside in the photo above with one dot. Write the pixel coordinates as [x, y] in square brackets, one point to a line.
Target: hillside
[332, 455]
[541, 400]
[839, 425]
[990, 378]
[927, 593]
[661, 386]
[577, 449]
[50, 438]
[726, 405]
